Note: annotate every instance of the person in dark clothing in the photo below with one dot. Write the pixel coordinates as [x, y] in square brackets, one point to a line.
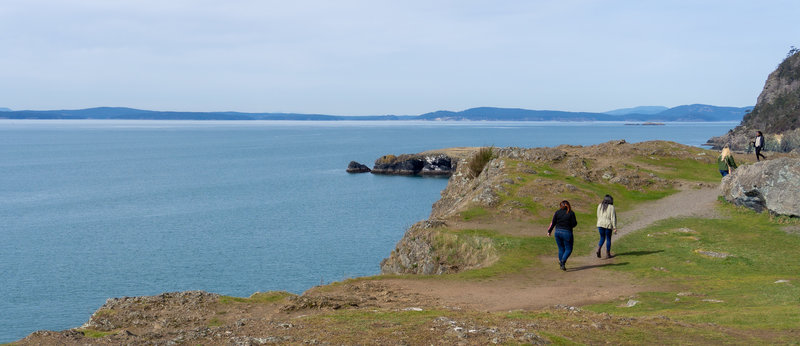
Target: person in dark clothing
[759, 144]
[563, 222]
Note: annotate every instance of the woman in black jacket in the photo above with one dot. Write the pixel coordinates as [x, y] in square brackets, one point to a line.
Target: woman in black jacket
[758, 142]
[563, 222]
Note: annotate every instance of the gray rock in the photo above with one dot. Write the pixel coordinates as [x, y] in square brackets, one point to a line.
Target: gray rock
[714, 254]
[631, 303]
[398, 165]
[439, 164]
[414, 164]
[772, 185]
[355, 167]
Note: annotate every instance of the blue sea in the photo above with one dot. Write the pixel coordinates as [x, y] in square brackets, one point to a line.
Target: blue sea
[91, 209]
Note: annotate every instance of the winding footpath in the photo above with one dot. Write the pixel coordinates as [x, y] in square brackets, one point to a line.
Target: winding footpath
[583, 283]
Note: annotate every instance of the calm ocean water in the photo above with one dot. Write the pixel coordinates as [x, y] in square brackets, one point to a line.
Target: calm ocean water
[96, 209]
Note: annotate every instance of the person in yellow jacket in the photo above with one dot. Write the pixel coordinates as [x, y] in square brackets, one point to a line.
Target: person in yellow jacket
[606, 222]
[725, 162]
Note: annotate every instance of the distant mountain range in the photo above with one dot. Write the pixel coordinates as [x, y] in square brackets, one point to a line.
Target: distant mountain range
[696, 112]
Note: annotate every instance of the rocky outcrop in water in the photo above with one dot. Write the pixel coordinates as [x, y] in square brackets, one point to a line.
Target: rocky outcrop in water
[355, 167]
[414, 164]
[772, 185]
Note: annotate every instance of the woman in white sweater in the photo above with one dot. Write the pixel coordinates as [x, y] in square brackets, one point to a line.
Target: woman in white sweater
[606, 222]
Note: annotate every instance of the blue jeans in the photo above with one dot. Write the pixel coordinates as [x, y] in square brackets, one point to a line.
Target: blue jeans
[564, 241]
[605, 237]
[724, 173]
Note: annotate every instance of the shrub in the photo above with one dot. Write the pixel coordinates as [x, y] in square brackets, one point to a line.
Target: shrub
[386, 159]
[479, 161]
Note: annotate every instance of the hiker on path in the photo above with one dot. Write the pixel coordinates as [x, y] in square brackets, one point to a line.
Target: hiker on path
[758, 142]
[606, 222]
[725, 162]
[563, 222]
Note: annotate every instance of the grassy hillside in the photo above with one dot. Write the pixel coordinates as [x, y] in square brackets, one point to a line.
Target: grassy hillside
[741, 271]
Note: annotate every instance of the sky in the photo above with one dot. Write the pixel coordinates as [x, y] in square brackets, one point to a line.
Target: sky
[377, 57]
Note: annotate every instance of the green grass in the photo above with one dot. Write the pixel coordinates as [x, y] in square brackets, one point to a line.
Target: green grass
[515, 253]
[94, 334]
[258, 297]
[623, 197]
[474, 213]
[355, 326]
[744, 282]
[678, 168]
[563, 328]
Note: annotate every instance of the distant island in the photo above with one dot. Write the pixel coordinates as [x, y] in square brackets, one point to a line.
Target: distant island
[695, 112]
[648, 123]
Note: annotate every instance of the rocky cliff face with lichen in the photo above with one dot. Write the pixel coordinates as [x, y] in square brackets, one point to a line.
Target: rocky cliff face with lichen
[776, 114]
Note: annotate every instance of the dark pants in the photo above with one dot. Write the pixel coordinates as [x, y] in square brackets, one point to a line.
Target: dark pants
[605, 237]
[564, 241]
[758, 153]
[724, 173]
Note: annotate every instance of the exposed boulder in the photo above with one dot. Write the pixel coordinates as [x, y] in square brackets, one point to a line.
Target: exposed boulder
[355, 167]
[414, 164]
[772, 185]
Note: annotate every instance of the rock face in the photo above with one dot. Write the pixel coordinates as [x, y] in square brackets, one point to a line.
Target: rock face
[419, 252]
[414, 164]
[355, 167]
[772, 185]
[439, 164]
[777, 112]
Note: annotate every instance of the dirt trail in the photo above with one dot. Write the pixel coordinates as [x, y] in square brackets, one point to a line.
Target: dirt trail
[583, 283]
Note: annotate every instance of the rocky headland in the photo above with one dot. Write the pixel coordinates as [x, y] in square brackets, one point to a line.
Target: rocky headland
[511, 198]
[538, 179]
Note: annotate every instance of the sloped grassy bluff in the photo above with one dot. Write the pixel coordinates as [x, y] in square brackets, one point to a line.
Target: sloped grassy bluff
[517, 191]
